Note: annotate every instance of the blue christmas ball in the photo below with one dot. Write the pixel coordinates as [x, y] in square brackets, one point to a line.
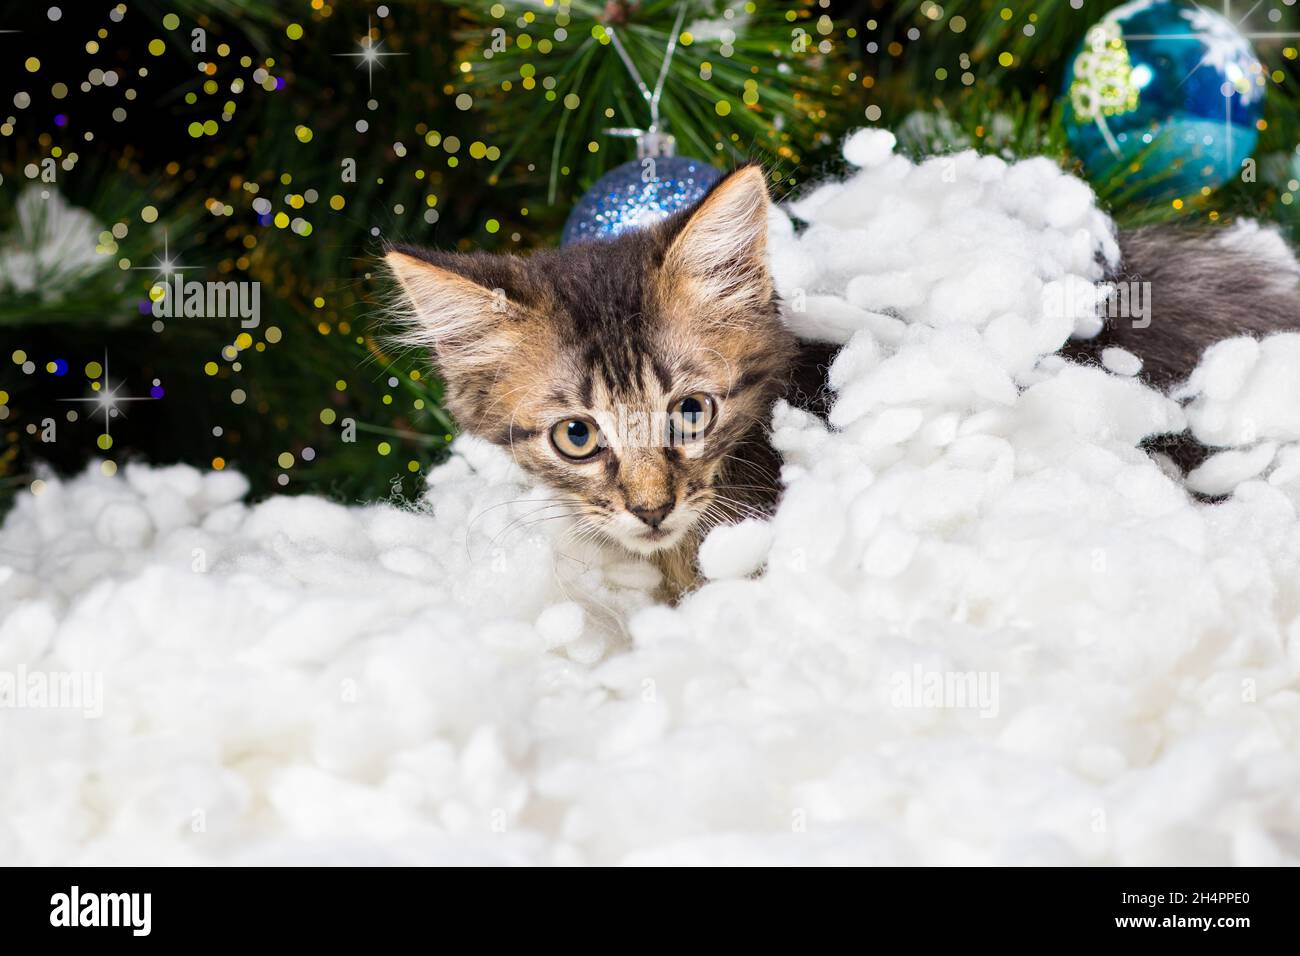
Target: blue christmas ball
[637, 194]
[1171, 87]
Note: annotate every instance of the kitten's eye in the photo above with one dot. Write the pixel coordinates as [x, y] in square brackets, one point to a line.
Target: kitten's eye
[692, 416]
[576, 438]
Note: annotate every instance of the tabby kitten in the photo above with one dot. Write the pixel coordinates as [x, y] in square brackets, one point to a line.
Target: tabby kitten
[635, 376]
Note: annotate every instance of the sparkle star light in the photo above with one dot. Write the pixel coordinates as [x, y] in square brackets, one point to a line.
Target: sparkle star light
[165, 267]
[108, 399]
[370, 55]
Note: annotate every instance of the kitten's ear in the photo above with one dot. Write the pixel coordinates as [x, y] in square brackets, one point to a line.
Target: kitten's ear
[719, 255]
[452, 307]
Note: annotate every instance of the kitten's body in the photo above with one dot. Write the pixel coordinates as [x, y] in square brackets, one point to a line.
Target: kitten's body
[1204, 287]
[538, 350]
[1200, 286]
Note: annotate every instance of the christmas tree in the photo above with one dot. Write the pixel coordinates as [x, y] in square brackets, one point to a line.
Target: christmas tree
[267, 152]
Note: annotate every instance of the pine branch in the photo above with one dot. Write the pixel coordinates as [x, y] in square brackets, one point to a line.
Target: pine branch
[549, 82]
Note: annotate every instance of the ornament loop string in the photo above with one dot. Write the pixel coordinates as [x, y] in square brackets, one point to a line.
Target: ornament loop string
[651, 97]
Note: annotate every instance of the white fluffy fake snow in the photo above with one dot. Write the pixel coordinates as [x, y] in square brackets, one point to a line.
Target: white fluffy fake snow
[983, 627]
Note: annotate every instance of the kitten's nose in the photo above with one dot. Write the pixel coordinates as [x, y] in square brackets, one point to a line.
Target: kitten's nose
[652, 516]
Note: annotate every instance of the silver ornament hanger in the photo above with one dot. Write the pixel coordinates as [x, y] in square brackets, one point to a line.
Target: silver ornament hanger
[654, 140]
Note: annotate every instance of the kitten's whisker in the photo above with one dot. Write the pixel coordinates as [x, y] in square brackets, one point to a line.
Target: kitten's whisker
[525, 524]
[751, 465]
[514, 501]
[505, 504]
[511, 426]
[613, 616]
[500, 398]
[740, 511]
[743, 507]
[528, 519]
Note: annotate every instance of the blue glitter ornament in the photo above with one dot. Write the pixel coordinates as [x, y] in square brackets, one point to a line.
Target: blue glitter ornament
[651, 187]
[636, 194]
[1171, 86]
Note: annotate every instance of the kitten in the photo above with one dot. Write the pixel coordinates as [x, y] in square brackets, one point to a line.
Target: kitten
[634, 376]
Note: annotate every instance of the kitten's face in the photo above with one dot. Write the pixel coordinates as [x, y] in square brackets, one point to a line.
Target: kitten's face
[628, 374]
